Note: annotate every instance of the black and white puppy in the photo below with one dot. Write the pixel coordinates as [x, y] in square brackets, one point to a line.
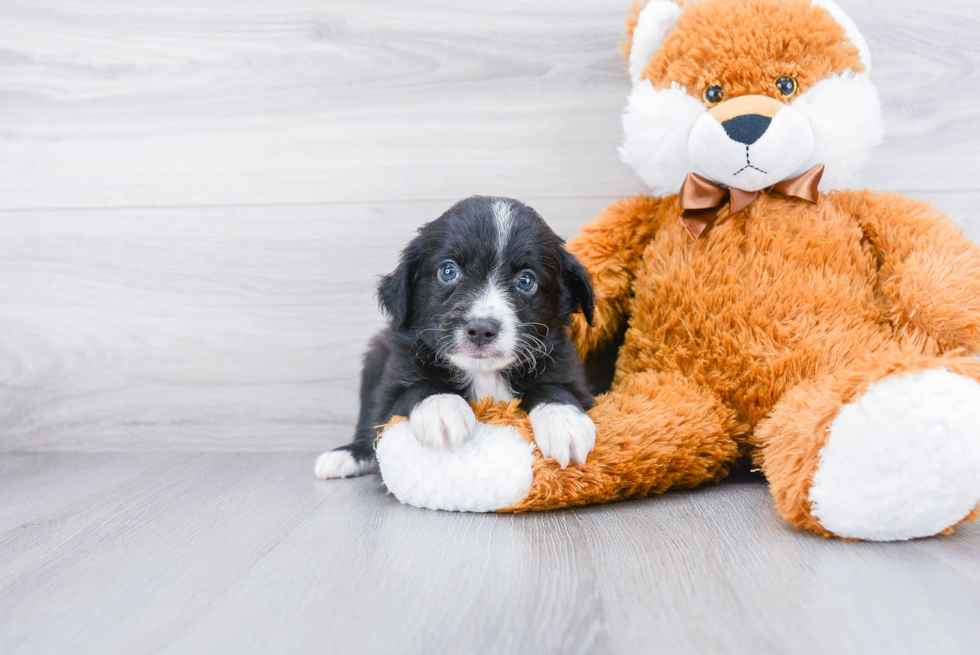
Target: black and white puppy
[478, 306]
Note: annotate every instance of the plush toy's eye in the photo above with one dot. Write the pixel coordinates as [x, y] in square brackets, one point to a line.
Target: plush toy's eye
[526, 282]
[448, 271]
[786, 86]
[713, 95]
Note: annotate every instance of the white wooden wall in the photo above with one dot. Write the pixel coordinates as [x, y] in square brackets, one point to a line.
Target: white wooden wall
[196, 197]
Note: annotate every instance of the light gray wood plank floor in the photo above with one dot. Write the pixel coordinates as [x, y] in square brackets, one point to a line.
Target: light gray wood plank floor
[248, 553]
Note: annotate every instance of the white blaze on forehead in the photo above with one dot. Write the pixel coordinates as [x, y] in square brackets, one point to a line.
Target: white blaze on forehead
[490, 302]
[503, 221]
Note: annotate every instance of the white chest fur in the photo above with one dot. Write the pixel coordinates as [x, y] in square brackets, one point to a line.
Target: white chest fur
[489, 383]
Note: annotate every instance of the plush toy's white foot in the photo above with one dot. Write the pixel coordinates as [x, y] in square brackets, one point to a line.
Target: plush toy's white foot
[443, 421]
[489, 471]
[902, 461]
[563, 432]
[339, 464]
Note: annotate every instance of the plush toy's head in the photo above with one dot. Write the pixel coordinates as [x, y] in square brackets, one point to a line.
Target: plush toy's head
[747, 93]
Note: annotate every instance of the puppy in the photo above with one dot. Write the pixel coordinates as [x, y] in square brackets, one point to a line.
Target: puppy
[478, 306]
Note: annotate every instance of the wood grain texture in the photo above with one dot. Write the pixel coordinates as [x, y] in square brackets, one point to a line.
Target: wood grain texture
[110, 103]
[248, 553]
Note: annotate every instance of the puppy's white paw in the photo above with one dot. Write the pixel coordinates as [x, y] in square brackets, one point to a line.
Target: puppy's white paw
[443, 421]
[563, 432]
[339, 464]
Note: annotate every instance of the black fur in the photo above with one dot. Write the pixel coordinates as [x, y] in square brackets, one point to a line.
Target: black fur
[407, 362]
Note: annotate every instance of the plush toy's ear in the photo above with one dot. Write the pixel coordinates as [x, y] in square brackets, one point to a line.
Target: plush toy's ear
[396, 289]
[654, 21]
[576, 286]
[850, 30]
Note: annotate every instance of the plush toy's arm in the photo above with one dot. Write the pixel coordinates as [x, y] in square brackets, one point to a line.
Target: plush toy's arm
[929, 270]
[610, 247]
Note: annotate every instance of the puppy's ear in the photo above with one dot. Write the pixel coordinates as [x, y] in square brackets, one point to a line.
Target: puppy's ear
[396, 289]
[576, 286]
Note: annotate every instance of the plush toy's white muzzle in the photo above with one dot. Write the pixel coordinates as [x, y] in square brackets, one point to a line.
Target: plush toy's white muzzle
[750, 143]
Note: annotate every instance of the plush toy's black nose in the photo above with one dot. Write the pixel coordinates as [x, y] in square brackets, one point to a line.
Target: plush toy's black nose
[747, 128]
[482, 331]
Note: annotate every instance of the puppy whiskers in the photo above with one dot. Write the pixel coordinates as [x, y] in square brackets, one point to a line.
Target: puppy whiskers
[531, 351]
[547, 330]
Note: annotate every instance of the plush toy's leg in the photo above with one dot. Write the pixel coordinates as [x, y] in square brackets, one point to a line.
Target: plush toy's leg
[653, 432]
[888, 449]
[490, 470]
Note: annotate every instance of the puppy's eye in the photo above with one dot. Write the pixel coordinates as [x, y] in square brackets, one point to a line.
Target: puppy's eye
[526, 282]
[713, 94]
[448, 271]
[786, 85]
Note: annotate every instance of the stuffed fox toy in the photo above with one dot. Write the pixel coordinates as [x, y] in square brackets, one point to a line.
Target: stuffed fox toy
[771, 318]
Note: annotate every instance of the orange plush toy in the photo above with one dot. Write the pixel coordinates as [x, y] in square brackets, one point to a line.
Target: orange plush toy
[770, 317]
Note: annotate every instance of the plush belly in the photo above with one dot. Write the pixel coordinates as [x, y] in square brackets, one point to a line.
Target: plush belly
[772, 296]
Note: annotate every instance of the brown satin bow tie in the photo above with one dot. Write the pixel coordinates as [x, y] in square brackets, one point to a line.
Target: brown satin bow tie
[701, 199]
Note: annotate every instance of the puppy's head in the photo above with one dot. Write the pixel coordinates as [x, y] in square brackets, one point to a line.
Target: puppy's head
[486, 286]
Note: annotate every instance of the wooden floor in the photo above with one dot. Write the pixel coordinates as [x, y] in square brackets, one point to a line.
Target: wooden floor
[248, 553]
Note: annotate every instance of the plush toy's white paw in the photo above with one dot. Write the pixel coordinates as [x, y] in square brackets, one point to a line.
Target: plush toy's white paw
[490, 471]
[443, 421]
[563, 432]
[902, 461]
[339, 464]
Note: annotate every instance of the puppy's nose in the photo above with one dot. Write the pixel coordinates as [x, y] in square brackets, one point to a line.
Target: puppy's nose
[747, 128]
[482, 331]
